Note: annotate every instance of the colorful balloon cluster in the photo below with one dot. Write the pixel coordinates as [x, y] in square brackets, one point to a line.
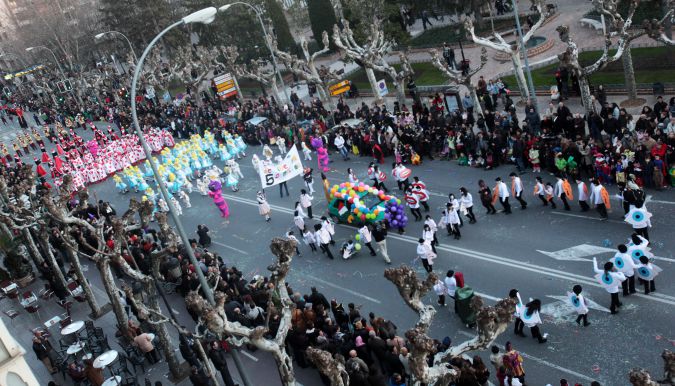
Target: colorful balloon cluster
[395, 214]
[353, 194]
[321, 154]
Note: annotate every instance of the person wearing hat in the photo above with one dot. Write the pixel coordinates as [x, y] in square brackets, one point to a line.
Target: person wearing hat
[501, 192]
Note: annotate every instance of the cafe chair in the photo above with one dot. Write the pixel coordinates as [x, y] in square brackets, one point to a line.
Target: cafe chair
[11, 314]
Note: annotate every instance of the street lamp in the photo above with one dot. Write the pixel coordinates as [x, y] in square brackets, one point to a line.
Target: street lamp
[523, 49]
[225, 7]
[204, 16]
[29, 49]
[131, 47]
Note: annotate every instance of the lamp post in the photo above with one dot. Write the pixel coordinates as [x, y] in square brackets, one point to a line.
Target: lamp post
[262, 24]
[523, 50]
[204, 16]
[63, 74]
[131, 47]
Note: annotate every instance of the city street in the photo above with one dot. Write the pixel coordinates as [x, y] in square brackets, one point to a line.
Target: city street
[496, 254]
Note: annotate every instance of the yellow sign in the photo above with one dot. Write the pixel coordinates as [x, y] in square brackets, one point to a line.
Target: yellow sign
[225, 85]
[339, 88]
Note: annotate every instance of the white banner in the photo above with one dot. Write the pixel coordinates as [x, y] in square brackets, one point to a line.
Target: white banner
[273, 173]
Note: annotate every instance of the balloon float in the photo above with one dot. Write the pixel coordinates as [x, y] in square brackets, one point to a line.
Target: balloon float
[354, 197]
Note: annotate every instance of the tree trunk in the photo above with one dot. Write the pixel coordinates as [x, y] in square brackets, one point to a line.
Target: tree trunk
[86, 286]
[51, 260]
[33, 250]
[477, 108]
[162, 331]
[586, 97]
[520, 75]
[629, 74]
[373, 85]
[400, 92]
[275, 90]
[103, 265]
[285, 366]
[667, 25]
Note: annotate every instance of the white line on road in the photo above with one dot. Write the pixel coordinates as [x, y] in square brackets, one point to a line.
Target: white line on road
[541, 361]
[249, 356]
[649, 199]
[476, 255]
[347, 290]
[232, 248]
[587, 217]
[486, 296]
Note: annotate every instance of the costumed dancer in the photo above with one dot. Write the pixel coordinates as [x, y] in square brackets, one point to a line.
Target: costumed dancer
[120, 185]
[646, 272]
[216, 193]
[241, 146]
[517, 190]
[563, 191]
[519, 325]
[234, 166]
[177, 206]
[306, 152]
[578, 302]
[309, 238]
[203, 186]
[582, 192]
[162, 205]
[466, 202]
[185, 197]
[420, 189]
[530, 316]
[232, 181]
[309, 179]
[625, 264]
[352, 177]
[600, 198]
[611, 281]
[281, 144]
[501, 193]
[263, 207]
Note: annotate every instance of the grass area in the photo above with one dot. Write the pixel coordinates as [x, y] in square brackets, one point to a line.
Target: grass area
[452, 33]
[425, 75]
[651, 64]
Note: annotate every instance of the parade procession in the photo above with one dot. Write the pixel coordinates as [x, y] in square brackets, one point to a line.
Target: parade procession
[337, 192]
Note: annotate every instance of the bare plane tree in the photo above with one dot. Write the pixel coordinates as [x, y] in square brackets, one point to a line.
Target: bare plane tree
[259, 70]
[511, 49]
[458, 78]
[490, 322]
[640, 377]
[659, 30]
[371, 55]
[216, 321]
[306, 67]
[570, 57]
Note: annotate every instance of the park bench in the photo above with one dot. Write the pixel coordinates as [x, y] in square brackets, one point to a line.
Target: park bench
[591, 23]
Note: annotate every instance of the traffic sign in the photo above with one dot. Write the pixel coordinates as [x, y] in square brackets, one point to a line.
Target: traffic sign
[225, 85]
[382, 88]
[339, 88]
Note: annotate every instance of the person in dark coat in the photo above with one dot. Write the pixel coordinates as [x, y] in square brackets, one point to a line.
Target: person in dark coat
[185, 346]
[43, 349]
[217, 355]
[198, 377]
[204, 238]
[317, 298]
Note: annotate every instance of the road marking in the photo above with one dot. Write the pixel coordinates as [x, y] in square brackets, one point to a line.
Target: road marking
[476, 255]
[649, 199]
[486, 296]
[562, 307]
[587, 217]
[541, 361]
[339, 287]
[576, 252]
[249, 356]
[229, 247]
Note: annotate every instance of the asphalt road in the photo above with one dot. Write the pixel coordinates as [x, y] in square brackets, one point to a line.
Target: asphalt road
[496, 254]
